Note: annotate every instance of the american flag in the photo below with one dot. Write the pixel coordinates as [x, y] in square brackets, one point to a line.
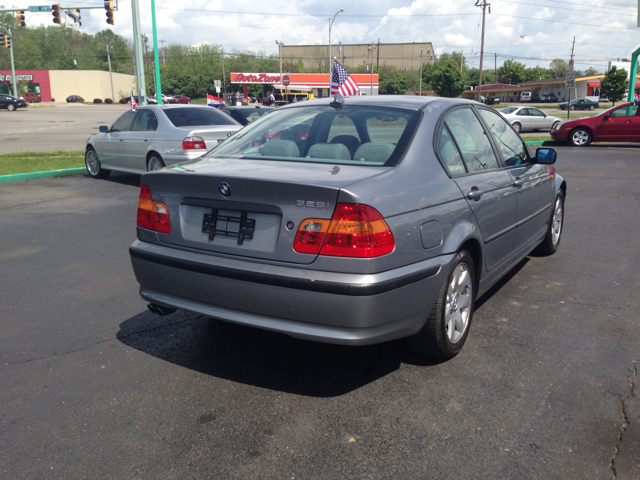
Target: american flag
[134, 104]
[341, 82]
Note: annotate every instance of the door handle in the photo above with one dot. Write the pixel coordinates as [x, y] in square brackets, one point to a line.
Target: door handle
[474, 194]
[517, 183]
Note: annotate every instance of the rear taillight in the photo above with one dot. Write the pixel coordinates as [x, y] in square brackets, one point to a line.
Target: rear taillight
[152, 215]
[193, 143]
[354, 231]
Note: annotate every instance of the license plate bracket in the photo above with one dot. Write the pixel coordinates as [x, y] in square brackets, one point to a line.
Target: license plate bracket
[239, 227]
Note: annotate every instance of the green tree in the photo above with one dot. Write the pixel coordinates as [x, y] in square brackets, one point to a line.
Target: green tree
[558, 67]
[537, 73]
[614, 84]
[447, 80]
[511, 72]
[590, 72]
[397, 84]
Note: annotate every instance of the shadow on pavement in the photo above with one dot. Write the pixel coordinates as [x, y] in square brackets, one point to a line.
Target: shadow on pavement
[262, 358]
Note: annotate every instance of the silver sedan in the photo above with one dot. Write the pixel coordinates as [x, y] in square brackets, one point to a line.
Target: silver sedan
[154, 136]
[529, 118]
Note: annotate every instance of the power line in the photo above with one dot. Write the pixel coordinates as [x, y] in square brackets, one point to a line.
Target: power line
[566, 8]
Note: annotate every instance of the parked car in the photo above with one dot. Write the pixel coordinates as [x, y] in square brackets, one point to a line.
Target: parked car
[579, 104]
[75, 99]
[298, 235]
[529, 96]
[529, 118]
[11, 103]
[165, 99]
[32, 97]
[617, 124]
[154, 136]
[549, 97]
[246, 115]
[179, 99]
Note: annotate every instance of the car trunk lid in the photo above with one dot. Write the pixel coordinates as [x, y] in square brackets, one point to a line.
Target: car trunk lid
[249, 208]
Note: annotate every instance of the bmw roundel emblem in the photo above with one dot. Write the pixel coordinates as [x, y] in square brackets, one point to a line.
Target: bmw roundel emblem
[225, 189]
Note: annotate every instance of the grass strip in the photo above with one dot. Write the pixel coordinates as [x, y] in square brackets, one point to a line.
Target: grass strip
[26, 162]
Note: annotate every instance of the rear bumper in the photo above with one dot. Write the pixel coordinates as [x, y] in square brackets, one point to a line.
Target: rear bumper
[351, 309]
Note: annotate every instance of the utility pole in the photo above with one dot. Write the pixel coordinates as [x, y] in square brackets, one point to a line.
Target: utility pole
[109, 47]
[162, 42]
[224, 82]
[461, 60]
[372, 47]
[137, 50]
[495, 67]
[482, 4]
[573, 44]
[420, 72]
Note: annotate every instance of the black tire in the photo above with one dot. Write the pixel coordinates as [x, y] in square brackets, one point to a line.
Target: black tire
[154, 159]
[94, 167]
[552, 239]
[580, 137]
[11, 107]
[433, 340]
[516, 126]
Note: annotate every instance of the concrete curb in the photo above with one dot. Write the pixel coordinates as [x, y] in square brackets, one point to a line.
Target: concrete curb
[23, 177]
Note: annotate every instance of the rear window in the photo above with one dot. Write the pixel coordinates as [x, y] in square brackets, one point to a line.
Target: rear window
[197, 117]
[369, 136]
[508, 110]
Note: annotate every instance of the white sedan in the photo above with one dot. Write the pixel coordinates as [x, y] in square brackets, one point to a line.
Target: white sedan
[529, 118]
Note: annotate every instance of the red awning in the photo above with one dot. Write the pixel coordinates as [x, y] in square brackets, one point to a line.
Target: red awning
[593, 84]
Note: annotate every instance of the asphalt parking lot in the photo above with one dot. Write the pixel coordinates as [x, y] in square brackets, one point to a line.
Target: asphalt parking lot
[93, 385]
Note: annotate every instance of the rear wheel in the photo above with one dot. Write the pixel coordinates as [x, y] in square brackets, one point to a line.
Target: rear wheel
[517, 127]
[94, 167]
[154, 162]
[572, 107]
[447, 326]
[551, 240]
[580, 137]
[591, 107]
[11, 107]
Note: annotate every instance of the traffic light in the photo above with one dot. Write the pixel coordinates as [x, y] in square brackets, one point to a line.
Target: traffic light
[75, 12]
[20, 19]
[7, 41]
[55, 11]
[108, 6]
[1, 39]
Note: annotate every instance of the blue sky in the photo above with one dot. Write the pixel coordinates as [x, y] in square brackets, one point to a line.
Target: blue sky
[530, 31]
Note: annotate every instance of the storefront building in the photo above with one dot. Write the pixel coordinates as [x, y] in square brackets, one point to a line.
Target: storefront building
[57, 85]
[308, 85]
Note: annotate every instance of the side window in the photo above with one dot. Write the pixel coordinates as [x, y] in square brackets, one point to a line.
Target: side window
[522, 112]
[628, 111]
[123, 124]
[513, 149]
[535, 112]
[145, 121]
[449, 153]
[476, 150]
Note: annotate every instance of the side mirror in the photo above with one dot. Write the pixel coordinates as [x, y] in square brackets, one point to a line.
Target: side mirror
[546, 156]
[605, 116]
[103, 129]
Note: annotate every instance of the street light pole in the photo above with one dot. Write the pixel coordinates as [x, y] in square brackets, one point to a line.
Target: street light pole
[331, 20]
[372, 48]
[280, 44]
[109, 47]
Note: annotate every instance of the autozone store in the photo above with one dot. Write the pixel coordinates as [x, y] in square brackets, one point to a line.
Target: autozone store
[316, 84]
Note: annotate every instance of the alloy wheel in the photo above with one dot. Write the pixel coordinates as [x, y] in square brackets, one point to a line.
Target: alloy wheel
[556, 222]
[93, 164]
[457, 307]
[155, 164]
[580, 137]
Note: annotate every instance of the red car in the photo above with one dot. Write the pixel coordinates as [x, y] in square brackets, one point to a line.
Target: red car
[179, 99]
[618, 124]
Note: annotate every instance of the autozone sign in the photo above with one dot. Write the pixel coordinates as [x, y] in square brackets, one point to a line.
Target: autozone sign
[255, 78]
[7, 78]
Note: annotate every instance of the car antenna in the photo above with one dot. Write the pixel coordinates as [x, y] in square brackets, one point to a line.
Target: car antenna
[338, 101]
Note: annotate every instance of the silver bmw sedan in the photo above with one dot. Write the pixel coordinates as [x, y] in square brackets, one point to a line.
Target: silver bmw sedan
[154, 136]
[351, 221]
